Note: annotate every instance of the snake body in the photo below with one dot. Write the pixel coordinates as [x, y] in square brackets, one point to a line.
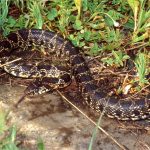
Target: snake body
[122, 109]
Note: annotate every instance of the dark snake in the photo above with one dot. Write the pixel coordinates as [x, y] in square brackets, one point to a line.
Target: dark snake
[21, 40]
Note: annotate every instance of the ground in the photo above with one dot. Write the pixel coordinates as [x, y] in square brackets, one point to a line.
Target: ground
[62, 127]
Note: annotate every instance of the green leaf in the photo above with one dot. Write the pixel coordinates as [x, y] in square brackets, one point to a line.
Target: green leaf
[95, 49]
[77, 25]
[3, 11]
[108, 61]
[118, 56]
[10, 146]
[52, 14]
[3, 126]
[141, 64]
[8, 143]
[40, 145]
[11, 22]
[36, 13]
[84, 5]
[129, 24]
[13, 134]
[134, 4]
[87, 35]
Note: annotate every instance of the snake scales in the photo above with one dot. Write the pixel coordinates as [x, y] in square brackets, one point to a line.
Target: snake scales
[122, 109]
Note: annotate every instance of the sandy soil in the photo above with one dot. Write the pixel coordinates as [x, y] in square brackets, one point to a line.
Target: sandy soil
[62, 127]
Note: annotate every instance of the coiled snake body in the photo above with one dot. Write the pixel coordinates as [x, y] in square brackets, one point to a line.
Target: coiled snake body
[130, 109]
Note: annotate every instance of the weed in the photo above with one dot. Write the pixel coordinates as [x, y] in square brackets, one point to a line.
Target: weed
[118, 58]
[7, 141]
[102, 27]
[141, 20]
[141, 65]
[3, 12]
[40, 145]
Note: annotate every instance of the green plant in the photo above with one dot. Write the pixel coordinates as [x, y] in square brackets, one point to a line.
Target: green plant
[8, 135]
[118, 58]
[35, 12]
[141, 65]
[141, 12]
[101, 27]
[8, 143]
[40, 145]
[19, 3]
[3, 12]
[3, 126]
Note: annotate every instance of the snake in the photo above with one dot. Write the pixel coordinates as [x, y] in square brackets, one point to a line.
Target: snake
[19, 42]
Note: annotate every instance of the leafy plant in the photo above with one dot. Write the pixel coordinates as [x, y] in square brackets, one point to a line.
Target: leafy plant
[3, 126]
[35, 8]
[98, 26]
[19, 3]
[3, 12]
[118, 58]
[141, 64]
[40, 145]
[52, 14]
[141, 13]
[64, 13]
[9, 142]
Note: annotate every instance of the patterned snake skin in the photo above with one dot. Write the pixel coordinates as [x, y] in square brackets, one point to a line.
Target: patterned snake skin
[122, 109]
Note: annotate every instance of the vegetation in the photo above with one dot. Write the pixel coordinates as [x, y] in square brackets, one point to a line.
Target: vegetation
[100, 27]
[8, 134]
[116, 30]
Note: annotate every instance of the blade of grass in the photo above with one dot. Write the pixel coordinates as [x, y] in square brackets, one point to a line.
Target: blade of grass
[35, 8]
[3, 11]
[95, 132]
[3, 126]
[40, 145]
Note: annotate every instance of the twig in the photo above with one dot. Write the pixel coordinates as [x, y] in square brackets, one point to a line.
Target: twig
[7, 63]
[136, 47]
[107, 134]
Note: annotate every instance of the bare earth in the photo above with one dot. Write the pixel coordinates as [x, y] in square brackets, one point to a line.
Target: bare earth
[62, 127]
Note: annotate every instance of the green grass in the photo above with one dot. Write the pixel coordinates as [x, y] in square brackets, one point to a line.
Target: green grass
[142, 68]
[8, 135]
[141, 20]
[106, 28]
